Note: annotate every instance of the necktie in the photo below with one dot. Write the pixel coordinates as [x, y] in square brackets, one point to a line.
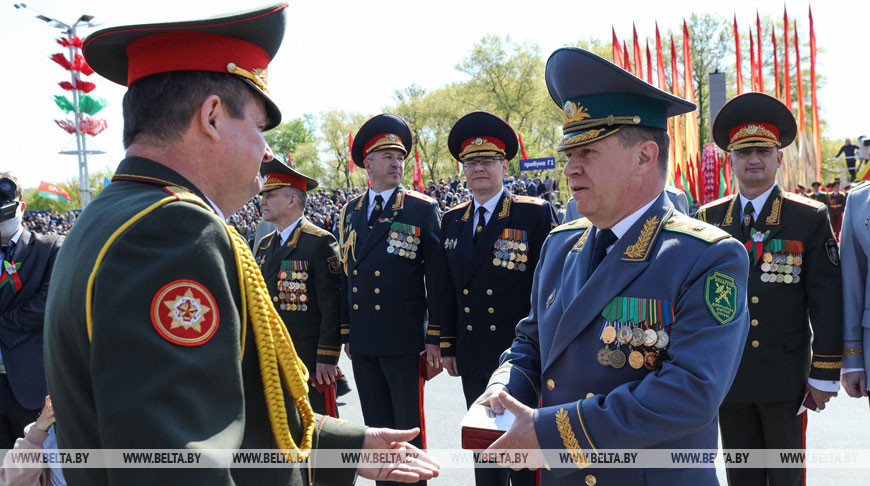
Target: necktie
[481, 223]
[376, 211]
[748, 221]
[603, 239]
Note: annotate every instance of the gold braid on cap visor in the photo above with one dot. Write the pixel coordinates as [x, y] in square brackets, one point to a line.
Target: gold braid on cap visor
[260, 77]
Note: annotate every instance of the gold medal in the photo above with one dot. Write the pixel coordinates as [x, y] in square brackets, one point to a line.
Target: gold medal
[608, 335]
[293, 307]
[510, 265]
[789, 260]
[496, 262]
[291, 297]
[798, 260]
[635, 360]
[401, 252]
[303, 298]
[617, 359]
[604, 356]
[522, 247]
[281, 295]
[768, 258]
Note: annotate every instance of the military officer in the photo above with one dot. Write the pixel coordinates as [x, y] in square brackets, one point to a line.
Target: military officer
[836, 206]
[794, 274]
[817, 195]
[854, 248]
[393, 266]
[159, 331]
[677, 196]
[638, 313]
[493, 244]
[299, 262]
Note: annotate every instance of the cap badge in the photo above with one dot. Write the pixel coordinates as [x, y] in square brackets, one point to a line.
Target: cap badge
[752, 129]
[478, 141]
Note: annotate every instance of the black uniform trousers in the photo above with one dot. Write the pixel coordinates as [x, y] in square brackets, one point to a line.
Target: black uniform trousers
[391, 385]
[763, 426]
[13, 417]
[473, 387]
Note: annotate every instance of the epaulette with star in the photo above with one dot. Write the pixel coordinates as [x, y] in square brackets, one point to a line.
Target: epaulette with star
[528, 200]
[802, 200]
[680, 223]
[577, 224]
[420, 195]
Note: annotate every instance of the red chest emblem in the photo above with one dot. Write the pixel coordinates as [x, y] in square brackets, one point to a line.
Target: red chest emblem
[184, 312]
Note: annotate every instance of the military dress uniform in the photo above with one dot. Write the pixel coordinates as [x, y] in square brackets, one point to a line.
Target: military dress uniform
[794, 275]
[491, 278]
[836, 207]
[854, 249]
[639, 351]
[393, 279]
[151, 342]
[303, 277]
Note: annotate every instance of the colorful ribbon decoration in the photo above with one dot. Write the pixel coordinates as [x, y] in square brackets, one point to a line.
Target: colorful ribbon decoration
[10, 276]
[756, 244]
[658, 313]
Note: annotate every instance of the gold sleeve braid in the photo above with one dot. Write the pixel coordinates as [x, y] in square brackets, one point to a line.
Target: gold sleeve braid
[278, 358]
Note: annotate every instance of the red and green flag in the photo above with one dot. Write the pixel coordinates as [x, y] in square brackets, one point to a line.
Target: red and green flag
[52, 192]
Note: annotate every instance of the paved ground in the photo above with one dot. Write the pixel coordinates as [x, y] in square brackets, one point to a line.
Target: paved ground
[845, 424]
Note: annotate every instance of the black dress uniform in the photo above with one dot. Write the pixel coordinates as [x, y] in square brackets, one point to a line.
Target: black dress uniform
[153, 330]
[794, 280]
[393, 277]
[303, 278]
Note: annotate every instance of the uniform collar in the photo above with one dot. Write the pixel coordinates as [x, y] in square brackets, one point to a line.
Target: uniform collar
[140, 169]
[622, 227]
[385, 194]
[758, 202]
[286, 232]
[490, 204]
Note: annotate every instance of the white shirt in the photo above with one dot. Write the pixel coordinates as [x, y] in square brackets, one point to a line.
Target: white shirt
[620, 228]
[216, 209]
[490, 209]
[386, 195]
[757, 203]
[286, 232]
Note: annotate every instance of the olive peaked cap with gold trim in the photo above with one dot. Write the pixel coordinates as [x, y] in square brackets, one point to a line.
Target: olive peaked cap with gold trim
[381, 132]
[278, 174]
[480, 134]
[598, 98]
[241, 44]
[754, 120]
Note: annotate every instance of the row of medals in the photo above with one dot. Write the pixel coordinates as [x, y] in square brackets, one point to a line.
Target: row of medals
[510, 254]
[779, 268]
[403, 244]
[636, 338]
[292, 292]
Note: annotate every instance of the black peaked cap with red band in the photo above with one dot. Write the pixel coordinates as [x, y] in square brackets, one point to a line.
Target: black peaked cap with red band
[241, 44]
[278, 174]
[381, 132]
[754, 120]
[480, 133]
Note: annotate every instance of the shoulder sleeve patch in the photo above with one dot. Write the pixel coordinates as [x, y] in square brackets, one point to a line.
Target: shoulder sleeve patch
[833, 252]
[185, 313]
[803, 200]
[720, 295]
[679, 223]
[528, 200]
[577, 224]
[420, 195]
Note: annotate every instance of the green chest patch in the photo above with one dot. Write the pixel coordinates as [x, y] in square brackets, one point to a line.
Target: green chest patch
[720, 295]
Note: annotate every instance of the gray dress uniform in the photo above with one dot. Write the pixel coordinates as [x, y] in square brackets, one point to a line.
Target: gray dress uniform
[854, 248]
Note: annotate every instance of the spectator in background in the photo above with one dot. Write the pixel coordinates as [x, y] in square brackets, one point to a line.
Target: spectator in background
[27, 260]
[532, 188]
[560, 213]
[849, 150]
[38, 435]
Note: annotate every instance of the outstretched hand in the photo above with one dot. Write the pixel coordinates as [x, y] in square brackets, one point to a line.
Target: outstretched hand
[412, 464]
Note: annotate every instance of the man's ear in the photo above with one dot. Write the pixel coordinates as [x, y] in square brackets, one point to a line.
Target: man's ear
[648, 154]
[208, 117]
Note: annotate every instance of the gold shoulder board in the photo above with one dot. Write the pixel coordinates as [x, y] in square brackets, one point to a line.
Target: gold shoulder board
[679, 223]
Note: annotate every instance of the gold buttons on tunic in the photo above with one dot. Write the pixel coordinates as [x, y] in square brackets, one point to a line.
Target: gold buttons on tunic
[755, 344]
[590, 480]
[377, 273]
[488, 291]
[377, 307]
[491, 310]
[354, 290]
[464, 291]
[355, 307]
[551, 384]
[468, 327]
[754, 322]
[590, 395]
[356, 272]
[377, 290]
[754, 300]
[467, 310]
[492, 328]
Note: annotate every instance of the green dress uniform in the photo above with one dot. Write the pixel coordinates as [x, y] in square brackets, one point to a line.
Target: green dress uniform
[134, 372]
[159, 333]
[303, 278]
[794, 277]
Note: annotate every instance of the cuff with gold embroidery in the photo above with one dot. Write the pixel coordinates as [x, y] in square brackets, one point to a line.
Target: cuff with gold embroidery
[826, 366]
[328, 354]
[448, 346]
[562, 427]
[853, 354]
[345, 333]
[433, 334]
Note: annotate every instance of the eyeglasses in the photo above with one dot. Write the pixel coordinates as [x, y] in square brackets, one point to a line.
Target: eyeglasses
[485, 162]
